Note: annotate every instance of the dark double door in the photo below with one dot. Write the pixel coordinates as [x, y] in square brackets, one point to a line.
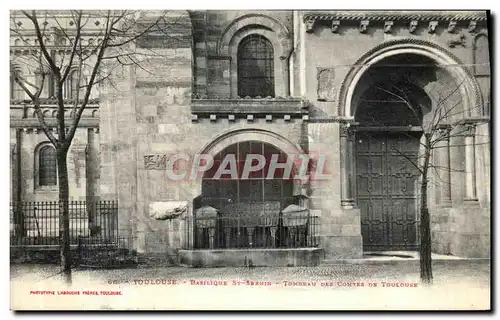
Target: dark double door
[387, 189]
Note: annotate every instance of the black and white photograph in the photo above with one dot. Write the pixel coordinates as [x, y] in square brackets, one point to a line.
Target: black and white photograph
[215, 159]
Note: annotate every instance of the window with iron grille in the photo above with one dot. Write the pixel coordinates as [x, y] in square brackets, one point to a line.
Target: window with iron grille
[47, 166]
[255, 67]
[249, 209]
[218, 192]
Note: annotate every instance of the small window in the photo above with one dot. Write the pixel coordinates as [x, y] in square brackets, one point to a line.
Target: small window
[47, 166]
[255, 67]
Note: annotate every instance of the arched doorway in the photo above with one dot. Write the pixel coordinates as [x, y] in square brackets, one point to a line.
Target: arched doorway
[392, 102]
[246, 210]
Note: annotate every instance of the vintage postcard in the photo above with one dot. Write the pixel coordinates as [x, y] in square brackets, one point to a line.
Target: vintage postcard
[250, 160]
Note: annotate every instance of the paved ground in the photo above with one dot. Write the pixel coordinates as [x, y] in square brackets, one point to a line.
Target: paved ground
[463, 284]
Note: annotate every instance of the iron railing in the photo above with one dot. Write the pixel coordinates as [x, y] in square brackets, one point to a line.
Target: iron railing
[109, 253]
[37, 222]
[231, 232]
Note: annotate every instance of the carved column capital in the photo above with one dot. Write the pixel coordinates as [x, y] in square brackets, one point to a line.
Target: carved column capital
[472, 26]
[432, 26]
[344, 129]
[363, 26]
[413, 26]
[309, 23]
[469, 129]
[444, 132]
[347, 132]
[452, 26]
[335, 26]
[388, 26]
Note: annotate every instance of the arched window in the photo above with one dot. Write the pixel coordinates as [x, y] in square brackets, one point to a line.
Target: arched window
[255, 67]
[71, 85]
[481, 55]
[47, 171]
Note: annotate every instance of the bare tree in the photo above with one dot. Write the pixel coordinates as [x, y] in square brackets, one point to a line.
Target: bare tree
[91, 43]
[439, 120]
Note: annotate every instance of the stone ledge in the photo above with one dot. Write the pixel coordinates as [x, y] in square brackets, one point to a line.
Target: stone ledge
[297, 257]
[290, 106]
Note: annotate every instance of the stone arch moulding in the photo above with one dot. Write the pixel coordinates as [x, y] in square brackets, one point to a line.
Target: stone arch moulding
[470, 91]
[284, 36]
[228, 138]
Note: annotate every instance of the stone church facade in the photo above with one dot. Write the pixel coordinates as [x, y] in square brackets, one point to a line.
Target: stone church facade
[292, 82]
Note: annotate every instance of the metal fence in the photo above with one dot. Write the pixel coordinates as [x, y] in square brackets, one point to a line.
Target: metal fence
[37, 222]
[113, 253]
[253, 231]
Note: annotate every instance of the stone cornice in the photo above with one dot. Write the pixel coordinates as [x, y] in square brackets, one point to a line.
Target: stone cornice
[250, 106]
[397, 15]
[52, 101]
[32, 123]
[473, 120]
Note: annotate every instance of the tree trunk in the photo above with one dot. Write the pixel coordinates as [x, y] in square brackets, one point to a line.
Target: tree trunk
[62, 173]
[425, 227]
[17, 197]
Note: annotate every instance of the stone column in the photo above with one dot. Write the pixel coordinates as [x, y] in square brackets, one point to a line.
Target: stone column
[470, 160]
[347, 137]
[443, 147]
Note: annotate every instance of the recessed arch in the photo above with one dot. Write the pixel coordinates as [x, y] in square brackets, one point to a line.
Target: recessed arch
[255, 201]
[469, 91]
[262, 20]
[226, 139]
[231, 137]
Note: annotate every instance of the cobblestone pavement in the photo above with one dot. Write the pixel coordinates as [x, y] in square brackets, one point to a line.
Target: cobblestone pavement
[459, 284]
[476, 271]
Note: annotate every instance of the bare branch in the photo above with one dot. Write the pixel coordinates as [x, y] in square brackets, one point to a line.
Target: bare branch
[76, 41]
[41, 43]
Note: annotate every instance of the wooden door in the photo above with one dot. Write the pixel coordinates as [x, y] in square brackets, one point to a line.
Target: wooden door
[387, 187]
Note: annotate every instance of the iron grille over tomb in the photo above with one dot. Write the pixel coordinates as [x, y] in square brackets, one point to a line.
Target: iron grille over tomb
[255, 67]
[239, 211]
[48, 167]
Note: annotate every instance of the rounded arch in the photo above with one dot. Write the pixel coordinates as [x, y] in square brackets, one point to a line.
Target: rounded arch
[470, 91]
[42, 145]
[229, 138]
[284, 43]
[226, 142]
